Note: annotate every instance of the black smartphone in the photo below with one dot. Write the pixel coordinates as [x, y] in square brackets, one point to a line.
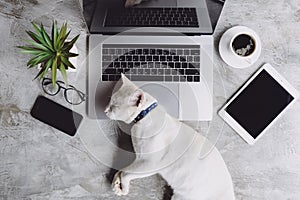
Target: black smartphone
[56, 115]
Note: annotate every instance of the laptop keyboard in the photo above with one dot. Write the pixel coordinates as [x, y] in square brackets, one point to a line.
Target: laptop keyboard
[153, 17]
[151, 63]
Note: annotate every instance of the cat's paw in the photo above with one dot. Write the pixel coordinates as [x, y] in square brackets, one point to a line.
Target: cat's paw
[119, 186]
[130, 3]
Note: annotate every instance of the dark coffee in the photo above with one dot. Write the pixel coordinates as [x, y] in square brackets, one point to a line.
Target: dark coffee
[243, 45]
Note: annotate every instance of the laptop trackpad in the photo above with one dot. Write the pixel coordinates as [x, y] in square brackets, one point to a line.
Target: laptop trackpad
[165, 94]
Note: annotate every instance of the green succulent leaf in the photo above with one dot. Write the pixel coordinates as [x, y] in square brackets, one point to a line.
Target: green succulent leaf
[71, 55]
[40, 58]
[38, 45]
[54, 34]
[36, 28]
[54, 69]
[35, 37]
[40, 72]
[47, 67]
[61, 36]
[63, 72]
[68, 45]
[46, 38]
[29, 50]
[67, 62]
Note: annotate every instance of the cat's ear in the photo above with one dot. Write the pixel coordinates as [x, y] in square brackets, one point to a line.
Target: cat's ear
[137, 99]
[124, 78]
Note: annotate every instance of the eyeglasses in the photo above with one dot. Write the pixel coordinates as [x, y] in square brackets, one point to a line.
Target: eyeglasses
[71, 94]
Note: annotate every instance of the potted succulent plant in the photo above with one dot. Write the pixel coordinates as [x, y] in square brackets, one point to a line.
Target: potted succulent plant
[50, 52]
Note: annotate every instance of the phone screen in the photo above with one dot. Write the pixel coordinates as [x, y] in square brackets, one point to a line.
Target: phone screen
[56, 115]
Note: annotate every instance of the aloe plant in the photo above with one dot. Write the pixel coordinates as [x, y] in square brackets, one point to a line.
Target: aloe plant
[50, 52]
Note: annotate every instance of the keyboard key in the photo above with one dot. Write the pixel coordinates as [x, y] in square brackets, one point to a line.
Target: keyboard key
[162, 58]
[186, 52]
[164, 65]
[119, 51]
[139, 51]
[171, 64]
[104, 77]
[123, 64]
[106, 65]
[184, 65]
[189, 78]
[145, 51]
[155, 58]
[177, 65]
[195, 51]
[174, 72]
[111, 51]
[182, 78]
[153, 71]
[169, 58]
[147, 71]
[168, 78]
[152, 51]
[149, 58]
[196, 78]
[167, 72]
[160, 71]
[181, 71]
[196, 58]
[151, 65]
[157, 64]
[117, 64]
[146, 78]
[130, 64]
[142, 58]
[192, 72]
[135, 58]
[194, 65]
[128, 58]
[121, 58]
[175, 78]
[106, 58]
[140, 71]
[137, 64]
[144, 65]
[105, 51]
[110, 71]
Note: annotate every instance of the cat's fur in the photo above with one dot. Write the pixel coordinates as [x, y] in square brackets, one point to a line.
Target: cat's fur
[166, 146]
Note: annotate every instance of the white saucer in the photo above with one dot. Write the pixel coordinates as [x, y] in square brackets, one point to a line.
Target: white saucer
[228, 56]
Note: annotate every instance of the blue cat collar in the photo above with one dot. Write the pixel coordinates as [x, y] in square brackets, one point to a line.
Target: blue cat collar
[143, 113]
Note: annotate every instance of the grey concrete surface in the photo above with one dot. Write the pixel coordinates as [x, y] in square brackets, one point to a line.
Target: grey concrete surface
[39, 162]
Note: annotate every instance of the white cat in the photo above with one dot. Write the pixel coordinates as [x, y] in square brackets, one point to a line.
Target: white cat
[166, 146]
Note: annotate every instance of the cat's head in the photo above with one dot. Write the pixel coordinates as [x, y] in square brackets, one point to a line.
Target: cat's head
[126, 102]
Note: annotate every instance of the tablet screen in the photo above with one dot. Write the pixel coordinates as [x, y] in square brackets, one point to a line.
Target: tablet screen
[259, 103]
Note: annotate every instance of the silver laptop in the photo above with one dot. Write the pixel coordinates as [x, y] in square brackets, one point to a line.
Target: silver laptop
[163, 46]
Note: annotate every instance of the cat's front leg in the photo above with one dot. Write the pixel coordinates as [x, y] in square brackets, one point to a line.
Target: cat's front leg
[123, 177]
[120, 184]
